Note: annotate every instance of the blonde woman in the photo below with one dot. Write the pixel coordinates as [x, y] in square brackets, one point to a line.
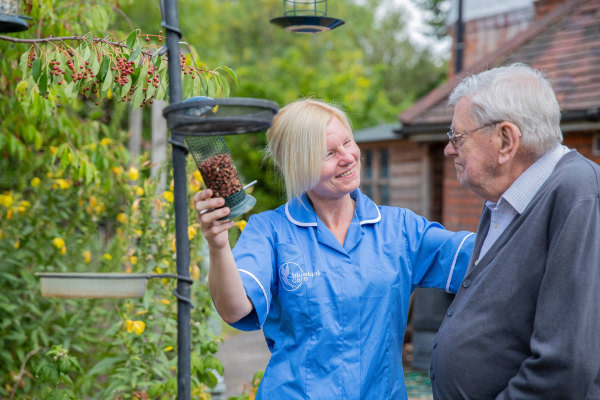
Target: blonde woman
[328, 275]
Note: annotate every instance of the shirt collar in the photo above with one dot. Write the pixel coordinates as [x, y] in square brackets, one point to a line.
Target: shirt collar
[300, 212]
[524, 188]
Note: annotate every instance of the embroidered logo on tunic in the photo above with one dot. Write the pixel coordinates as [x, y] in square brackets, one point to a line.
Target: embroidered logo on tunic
[291, 276]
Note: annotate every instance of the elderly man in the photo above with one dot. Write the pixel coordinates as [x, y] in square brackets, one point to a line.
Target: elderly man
[526, 322]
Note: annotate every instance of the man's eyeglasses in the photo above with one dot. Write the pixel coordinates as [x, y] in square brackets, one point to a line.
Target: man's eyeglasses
[454, 137]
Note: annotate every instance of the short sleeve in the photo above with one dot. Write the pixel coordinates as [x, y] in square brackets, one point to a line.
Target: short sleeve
[254, 257]
[439, 258]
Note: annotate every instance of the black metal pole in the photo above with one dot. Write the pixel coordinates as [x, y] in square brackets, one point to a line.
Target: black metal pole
[459, 44]
[182, 249]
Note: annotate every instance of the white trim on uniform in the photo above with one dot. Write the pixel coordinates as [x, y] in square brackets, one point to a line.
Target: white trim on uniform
[454, 262]
[259, 284]
[293, 221]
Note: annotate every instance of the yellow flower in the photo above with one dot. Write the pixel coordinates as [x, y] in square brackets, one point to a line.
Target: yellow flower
[198, 176]
[133, 260]
[168, 196]
[8, 214]
[93, 201]
[133, 173]
[122, 218]
[135, 326]
[53, 150]
[165, 301]
[241, 224]
[141, 312]
[138, 190]
[117, 170]
[25, 204]
[138, 232]
[107, 256]
[6, 199]
[105, 142]
[35, 182]
[194, 272]
[196, 181]
[191, 232]
[17, 243]
[87, 256]
[158, 270]
[63, 250]
[58, 243]
[22, 210]
[63, 184]
[168, 348]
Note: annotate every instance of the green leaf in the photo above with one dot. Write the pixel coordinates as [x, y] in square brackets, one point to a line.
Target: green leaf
[104, 365]
[104, 68]
[43, 84]
[138, 97]
[132, 39]
[230, 72]
[23, 63]
[135, 53]
[108, 81]
[36, 69]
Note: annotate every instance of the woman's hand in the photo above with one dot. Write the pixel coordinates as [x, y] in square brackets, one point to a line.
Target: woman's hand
[208, 215]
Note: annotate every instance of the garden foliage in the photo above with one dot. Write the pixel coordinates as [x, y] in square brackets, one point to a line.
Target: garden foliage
[72, 199]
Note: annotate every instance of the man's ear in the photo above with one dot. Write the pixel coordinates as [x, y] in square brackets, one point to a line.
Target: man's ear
[510, 139]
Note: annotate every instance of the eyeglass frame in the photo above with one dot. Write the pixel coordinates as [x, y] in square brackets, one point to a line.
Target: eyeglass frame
[454, 137]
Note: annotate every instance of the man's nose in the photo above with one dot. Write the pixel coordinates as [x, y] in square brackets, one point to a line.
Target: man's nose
[450, 151]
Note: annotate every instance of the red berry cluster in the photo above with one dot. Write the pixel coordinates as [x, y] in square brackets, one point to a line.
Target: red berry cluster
[186, 69]
[124, 69]
[152, 79]
[30, 59]
[57, 71]
[84, 74]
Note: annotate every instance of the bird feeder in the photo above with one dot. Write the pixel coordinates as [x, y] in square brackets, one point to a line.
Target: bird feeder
[10, 20]
[306, 16]
[202, 122]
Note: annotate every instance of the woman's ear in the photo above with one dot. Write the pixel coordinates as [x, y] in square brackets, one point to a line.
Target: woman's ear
[510, 139]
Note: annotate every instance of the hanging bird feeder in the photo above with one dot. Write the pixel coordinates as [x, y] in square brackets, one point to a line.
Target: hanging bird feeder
[306, 16]
[202, 122]
[10, 20]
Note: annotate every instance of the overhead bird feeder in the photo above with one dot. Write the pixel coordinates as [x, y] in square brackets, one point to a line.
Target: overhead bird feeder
[203, 122]
[306, 16]
[10, 20]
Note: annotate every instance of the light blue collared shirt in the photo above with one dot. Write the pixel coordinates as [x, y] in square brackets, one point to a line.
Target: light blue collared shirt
[518, 196]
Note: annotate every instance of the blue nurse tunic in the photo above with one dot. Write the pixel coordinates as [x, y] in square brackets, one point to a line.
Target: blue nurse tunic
[334, 316]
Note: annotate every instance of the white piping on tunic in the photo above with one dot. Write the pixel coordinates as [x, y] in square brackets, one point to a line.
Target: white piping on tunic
[259, 284]
[454, 262]
[372, 221]
[287, 213]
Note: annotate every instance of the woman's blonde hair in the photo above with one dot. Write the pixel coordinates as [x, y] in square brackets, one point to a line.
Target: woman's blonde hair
[297, 142]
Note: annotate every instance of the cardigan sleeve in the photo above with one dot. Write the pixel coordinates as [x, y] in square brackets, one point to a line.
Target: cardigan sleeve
[565, 344]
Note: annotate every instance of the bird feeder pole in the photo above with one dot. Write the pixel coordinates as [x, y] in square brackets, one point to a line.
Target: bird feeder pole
[182, 246]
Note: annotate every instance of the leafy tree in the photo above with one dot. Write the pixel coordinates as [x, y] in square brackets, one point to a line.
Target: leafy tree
[368, 66]
[437, 14]
[73, 199]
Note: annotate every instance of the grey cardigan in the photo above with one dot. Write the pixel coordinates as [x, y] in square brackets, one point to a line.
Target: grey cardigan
[525, 323]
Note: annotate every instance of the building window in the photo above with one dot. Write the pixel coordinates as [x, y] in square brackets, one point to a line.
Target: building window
[376, 174]
[596, 145]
